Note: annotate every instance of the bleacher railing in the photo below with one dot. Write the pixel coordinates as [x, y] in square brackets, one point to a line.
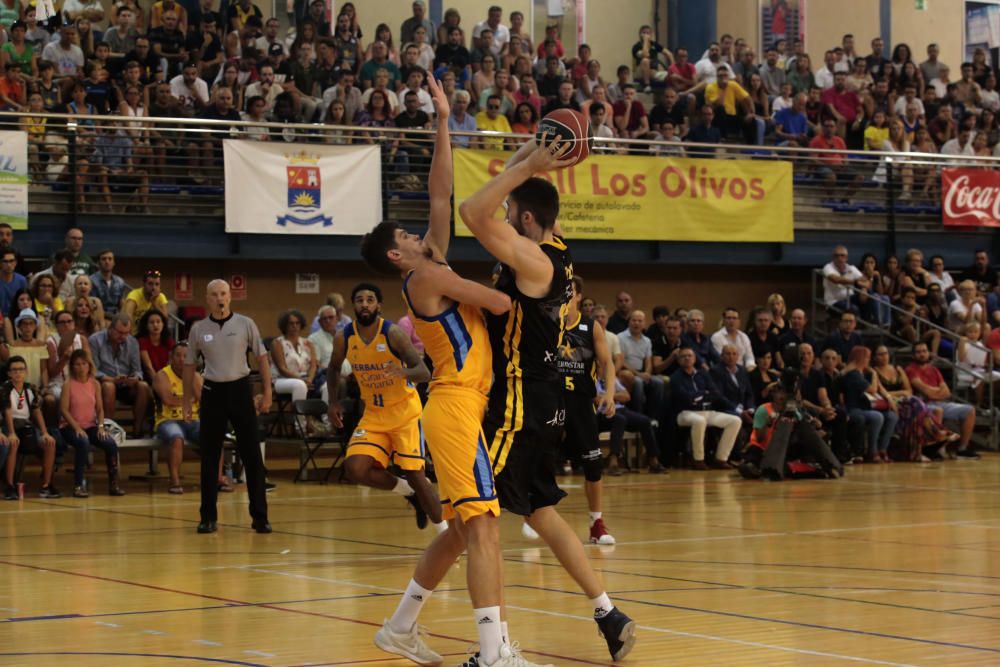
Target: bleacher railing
[900, 351]
[177, 169]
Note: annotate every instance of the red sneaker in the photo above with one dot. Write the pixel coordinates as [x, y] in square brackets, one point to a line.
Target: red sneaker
[599, 533]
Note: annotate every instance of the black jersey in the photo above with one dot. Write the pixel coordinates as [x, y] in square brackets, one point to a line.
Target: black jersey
[526, 339]
[577, 356]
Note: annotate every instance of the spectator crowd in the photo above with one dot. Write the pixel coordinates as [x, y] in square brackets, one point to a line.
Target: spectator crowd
[846, 388]
[193, 59]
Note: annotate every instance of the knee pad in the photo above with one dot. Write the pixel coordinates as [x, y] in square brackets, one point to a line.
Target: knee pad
[593, 465]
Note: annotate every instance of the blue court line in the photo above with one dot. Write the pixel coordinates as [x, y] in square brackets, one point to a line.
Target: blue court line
[801, 624]
[53, 617]
[137, 655]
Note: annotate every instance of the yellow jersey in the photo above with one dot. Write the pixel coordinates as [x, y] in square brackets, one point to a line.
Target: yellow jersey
[457, 343]
[166, 413]
[382, 393]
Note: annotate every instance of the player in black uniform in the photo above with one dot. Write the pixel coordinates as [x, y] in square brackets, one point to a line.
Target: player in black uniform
[584, 349]
[526, 413]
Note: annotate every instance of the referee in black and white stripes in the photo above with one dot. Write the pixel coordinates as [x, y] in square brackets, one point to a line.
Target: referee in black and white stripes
[223, 339]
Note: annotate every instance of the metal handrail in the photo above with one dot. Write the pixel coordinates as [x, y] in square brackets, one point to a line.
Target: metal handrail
[204, 125]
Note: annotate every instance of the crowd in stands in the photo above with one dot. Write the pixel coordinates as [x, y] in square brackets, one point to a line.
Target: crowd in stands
[847, 390]
[80, 345]
[230, 61]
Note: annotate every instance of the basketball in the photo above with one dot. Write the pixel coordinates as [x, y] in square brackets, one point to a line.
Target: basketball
[568, 125]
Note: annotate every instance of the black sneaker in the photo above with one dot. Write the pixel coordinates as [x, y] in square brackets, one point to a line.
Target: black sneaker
[269, 486]
[10, 492]
[49, 491]
[967, 453]
[421, 514]
[618, 631]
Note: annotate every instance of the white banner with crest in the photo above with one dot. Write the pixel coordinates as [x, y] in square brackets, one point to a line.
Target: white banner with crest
[283, 188]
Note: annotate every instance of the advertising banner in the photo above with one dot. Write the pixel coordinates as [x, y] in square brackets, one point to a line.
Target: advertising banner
[970, 197]
[14, 179]
[275, 188]
[655, 198]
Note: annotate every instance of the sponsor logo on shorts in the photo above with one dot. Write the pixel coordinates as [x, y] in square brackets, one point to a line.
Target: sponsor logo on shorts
[360, 433]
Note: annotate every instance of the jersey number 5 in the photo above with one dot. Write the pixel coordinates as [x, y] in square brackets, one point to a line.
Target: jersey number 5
[569, 384]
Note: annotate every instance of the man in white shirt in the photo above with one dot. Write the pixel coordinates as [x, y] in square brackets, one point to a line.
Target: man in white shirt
[909, 97]
[346, 92]
[730, 334]
[838, 279]
[413, 81]
[824, 75]
[65, 54]
[707, 68]
[191, 91]
[960, 145]
[270, 36]
[501, 34]
[266, 87]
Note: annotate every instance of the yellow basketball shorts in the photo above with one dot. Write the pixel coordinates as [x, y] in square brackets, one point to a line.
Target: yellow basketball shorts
[453, 425]
[387, 443]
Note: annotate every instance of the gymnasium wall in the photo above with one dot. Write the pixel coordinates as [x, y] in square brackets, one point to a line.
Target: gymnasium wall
[829, 20]
[942, 22]
[612, 29]
[271, 286]
[739, 18]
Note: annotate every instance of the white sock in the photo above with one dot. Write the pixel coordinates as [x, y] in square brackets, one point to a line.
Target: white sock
[402, 487]
[441, 527]
[490, 633]
[594, 516]
[602, 605]
[504, 633]
[409, 607]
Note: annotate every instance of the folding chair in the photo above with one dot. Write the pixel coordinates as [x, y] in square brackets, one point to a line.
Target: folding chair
[316, 407]
[284, 421]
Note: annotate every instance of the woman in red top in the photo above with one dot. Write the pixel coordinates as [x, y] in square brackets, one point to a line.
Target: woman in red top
[155, 343]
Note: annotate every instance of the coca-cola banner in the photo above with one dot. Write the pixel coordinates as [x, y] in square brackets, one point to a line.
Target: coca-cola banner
[970, 197]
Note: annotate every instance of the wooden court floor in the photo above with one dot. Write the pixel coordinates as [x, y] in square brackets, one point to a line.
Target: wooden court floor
[894, 565]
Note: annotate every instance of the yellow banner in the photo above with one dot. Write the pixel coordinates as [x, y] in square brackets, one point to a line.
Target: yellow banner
[655, 198]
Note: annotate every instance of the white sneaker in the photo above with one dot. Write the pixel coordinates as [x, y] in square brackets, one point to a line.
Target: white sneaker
[528, 532]
[510, 656]
[410, 644]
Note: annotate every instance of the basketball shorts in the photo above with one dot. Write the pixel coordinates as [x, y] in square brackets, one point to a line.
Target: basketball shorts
[453, 424]
[581, 427]
[393, 436]
[523, 432]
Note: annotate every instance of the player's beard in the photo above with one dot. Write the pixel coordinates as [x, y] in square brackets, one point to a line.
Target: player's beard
[366, 319]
